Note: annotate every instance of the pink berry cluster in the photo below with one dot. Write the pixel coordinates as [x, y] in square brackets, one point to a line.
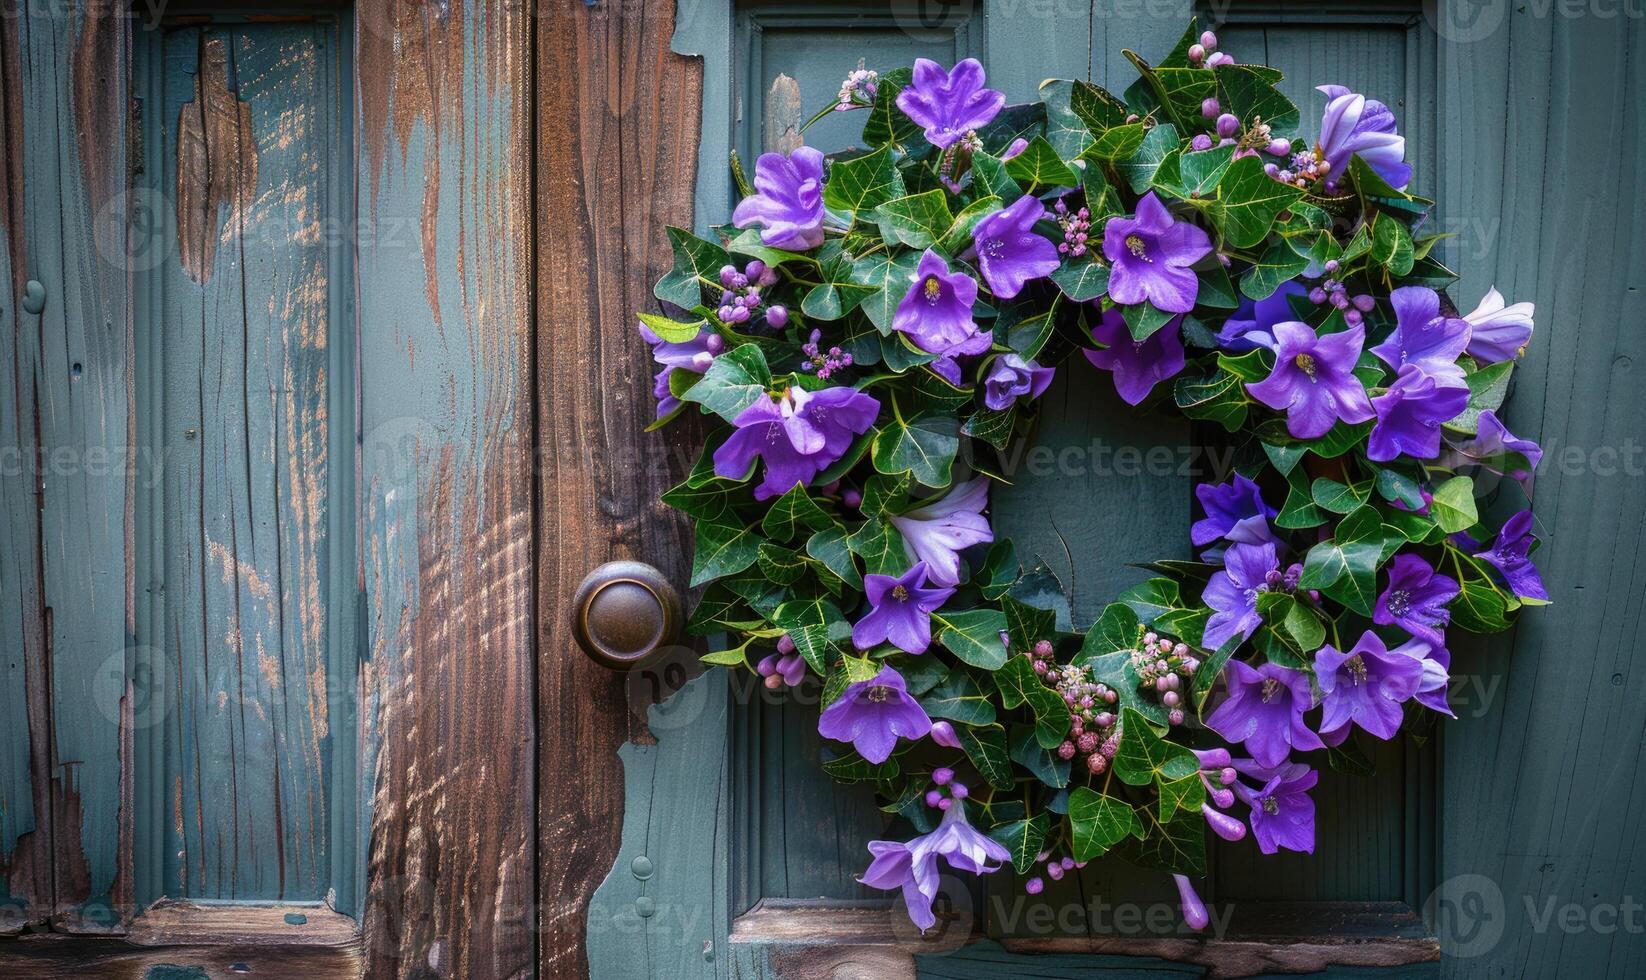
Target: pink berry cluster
[1248, 140]
[785, 668]
[1332, 291]
[1094, 731]
[823, 363]
[858, 89]
[740, 297]
[1307, 167]
[1205, 54]
[1165, 666]
[945, 789]
[1076, 225]
[1056, 868]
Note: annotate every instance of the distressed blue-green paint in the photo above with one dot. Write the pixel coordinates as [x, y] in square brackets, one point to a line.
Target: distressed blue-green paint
[1542, 132]
[664, 910]
[241, 762]
[73, 171]
[25, 832]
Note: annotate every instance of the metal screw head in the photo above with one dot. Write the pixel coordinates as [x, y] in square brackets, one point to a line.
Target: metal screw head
[625, 613]
[34, 297]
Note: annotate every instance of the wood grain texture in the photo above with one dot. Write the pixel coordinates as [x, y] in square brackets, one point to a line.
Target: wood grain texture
[1544, 769]
[444, 92]
[25, 762]
[237, 758]
[173, 923]
[615, 165]
[73, 78]
[54, 956]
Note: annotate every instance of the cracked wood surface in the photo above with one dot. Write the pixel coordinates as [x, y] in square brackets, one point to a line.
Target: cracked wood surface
[616, 161]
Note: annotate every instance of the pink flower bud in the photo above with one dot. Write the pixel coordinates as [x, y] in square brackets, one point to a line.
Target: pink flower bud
[1197, 53]
[1227, 125]
[943, 734]
[1194, 910]
[1210, 108]
[1208, 40]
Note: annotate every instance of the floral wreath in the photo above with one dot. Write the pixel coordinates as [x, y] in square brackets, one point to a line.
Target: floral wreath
[866, 321]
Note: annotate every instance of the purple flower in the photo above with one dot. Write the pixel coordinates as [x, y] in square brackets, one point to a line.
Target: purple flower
[1356, 125]
[1011, 378]
[1232, 593]
[1423, 337]
[1234, 511]
[1416, 599]
[949, 104]
[1498, 332]
[872, 714]
[1508, 554]
[1365, 686]
[1138, 365]
[1492, 447]
[789, 200]
[937, 532]
[1265, 711]
[1151, 255]
[1410, 414]
[1436, 661]
[936, 312]
[1009, 252]
[1282, 813]
[1313, 380]
[913, 866]
[1250, 326]
[798, 435]
[693, 355]
[901, 611]
[893, 867]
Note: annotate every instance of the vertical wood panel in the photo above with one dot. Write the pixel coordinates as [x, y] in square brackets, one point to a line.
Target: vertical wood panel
[1544, 776]
[74, 172]
[445, 95]
[25, 764]
[236, 332]
[615, 164]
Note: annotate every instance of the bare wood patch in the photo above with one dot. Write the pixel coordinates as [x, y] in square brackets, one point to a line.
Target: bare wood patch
[216, 162]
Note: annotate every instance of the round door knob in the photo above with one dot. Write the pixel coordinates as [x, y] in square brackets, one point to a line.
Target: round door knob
[624, 613]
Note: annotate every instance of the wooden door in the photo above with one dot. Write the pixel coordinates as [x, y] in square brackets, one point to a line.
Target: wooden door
[1412, 873]
[266, 692]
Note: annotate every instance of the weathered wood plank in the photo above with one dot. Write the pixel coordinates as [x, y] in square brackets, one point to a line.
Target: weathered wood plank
[74, 169]
[1544, 769]
[615, 164]
[240, 769]
[194, 924]
[445, 314]
[25, 763]
[54, 956]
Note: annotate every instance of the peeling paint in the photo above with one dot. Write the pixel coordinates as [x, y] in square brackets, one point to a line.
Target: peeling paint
[216, 163]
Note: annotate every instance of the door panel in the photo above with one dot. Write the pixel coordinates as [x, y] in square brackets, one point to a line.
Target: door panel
[244, 768]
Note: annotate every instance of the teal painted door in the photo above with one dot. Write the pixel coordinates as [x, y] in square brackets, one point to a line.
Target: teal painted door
[1441, 846]
[246, 652]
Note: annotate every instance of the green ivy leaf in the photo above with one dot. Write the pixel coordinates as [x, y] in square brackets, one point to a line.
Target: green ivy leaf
[853, 768]
[1041, 762]
[1278, 264]
[985, 746]
[1138, 170]
[1117, 628]
[1023, 839]
[1019, 684]
[1391, 244]
[828, 547]
[737, 379]
[923, 447]
[1199, 172]
[1249, 93]
[1081, 280]
[1487, 388]
[880, 547]
[959, 236]
[958, 698]
[1216, 397]
[992, 178]
[1481, 606]
[672, 331]
[791, 513]
[917, 220]
[1453, 506]
[1177, 846]
[886, 277]
[1098, 822]
[864, 182]
[783, 566]
[1248, 201]
[1038, 166]
[973, 635]
[814, 625]
[886, 123]
[697, 264]
[723, 547]
[993, 427]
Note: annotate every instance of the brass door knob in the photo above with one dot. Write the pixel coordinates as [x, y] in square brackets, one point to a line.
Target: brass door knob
[624, 613]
